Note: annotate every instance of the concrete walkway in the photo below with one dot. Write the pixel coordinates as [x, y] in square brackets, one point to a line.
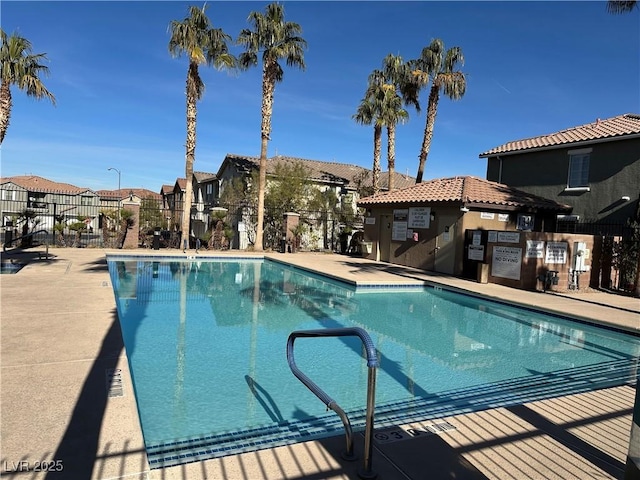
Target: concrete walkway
[61, 343]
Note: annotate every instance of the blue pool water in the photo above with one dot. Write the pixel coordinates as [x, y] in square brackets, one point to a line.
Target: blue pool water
[10, 267]
[206, 343]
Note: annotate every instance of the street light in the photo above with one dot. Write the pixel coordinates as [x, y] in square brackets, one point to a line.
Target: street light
[112, 168]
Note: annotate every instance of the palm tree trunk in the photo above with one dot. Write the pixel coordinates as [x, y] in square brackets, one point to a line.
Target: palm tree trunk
[391, 154]
[268, 87]
[5, 109]
[377, 147]
[190, 151]
[432, 110]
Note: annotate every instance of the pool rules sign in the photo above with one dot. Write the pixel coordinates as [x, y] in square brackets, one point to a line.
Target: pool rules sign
[506, 262]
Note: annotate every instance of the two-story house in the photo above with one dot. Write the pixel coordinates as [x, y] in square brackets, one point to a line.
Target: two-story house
[204, 198]
[344, 180]
[47, 200]
[594, 167]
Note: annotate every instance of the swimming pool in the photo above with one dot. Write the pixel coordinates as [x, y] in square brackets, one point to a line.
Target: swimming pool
[206, 345]
[9, 267]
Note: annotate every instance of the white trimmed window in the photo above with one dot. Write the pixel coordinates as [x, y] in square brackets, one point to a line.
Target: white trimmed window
[578, 176]
[8, 195]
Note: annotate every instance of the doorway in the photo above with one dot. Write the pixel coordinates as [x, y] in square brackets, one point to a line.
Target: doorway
[384, 244]
[445, 248]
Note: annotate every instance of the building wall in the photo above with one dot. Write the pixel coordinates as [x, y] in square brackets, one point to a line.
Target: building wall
[15, 199]
[440, 247]
[614, 169]
[437, 247]
[531, 268]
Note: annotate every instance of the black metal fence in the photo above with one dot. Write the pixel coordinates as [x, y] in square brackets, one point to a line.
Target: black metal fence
[596, 228]
[103, 228]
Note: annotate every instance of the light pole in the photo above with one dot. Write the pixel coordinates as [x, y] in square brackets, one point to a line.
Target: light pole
[119, 196]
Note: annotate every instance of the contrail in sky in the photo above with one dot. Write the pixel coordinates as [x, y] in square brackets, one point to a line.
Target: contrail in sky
[504, 88]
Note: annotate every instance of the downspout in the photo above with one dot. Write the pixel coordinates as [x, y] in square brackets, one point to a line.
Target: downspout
[499, 169]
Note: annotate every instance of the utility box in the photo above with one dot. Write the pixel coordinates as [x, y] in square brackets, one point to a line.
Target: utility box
[580, 254]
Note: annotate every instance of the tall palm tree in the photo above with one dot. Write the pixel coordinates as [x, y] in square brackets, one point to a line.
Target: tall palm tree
[277, 40]
[397, 87]
[202, 44]
[393, 114]
[442, 67]
[621, 6]
[387, 91]
[22, 68]
[369, 113]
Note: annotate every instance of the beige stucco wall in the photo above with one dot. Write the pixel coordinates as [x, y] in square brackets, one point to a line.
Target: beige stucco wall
[427, 251]
[435, 251]
[432, 244]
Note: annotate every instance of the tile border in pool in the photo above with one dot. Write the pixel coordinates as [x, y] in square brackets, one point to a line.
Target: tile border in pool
[499, 394]
[156, 257]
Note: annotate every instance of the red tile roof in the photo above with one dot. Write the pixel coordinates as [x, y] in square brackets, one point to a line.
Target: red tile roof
[467, 190]
[35, 183]
[611, 128]
[123, 193]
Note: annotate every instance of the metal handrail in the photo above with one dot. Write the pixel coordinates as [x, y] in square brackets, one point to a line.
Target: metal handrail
[372, 363]
[31, 234]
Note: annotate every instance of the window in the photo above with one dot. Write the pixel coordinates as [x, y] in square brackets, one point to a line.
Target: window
[36, 200]
[579, 169]
[8, 195]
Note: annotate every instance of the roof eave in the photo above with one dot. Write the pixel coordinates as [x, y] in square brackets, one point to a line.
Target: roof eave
[562, 145]
[514, 208]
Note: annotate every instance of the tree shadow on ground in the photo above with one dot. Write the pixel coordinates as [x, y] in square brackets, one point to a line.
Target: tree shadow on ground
[78, 447]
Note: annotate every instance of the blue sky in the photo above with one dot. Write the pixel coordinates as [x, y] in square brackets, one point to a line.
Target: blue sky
[532, 68]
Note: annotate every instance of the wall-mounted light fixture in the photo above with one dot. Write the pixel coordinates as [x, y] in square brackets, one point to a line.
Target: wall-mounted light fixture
[625, 198]
[368, 212]
[433, 216]
[464, 209]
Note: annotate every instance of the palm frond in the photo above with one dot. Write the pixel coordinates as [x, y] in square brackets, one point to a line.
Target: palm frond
[618, 7]
[275, 38]
[23, 68]
[196, 37]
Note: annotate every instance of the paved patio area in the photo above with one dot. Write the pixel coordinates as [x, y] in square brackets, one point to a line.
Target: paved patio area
[60, 336]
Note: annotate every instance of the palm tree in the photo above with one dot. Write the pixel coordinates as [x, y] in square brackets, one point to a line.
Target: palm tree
[624, 6]
[195, 37]
[369, 113]
[442, 67]
[387, 90]
[277, 40]
[398, 88]
[393, 114]
[22, 68]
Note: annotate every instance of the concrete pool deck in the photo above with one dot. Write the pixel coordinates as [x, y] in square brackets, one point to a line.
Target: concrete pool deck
[61, 337]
